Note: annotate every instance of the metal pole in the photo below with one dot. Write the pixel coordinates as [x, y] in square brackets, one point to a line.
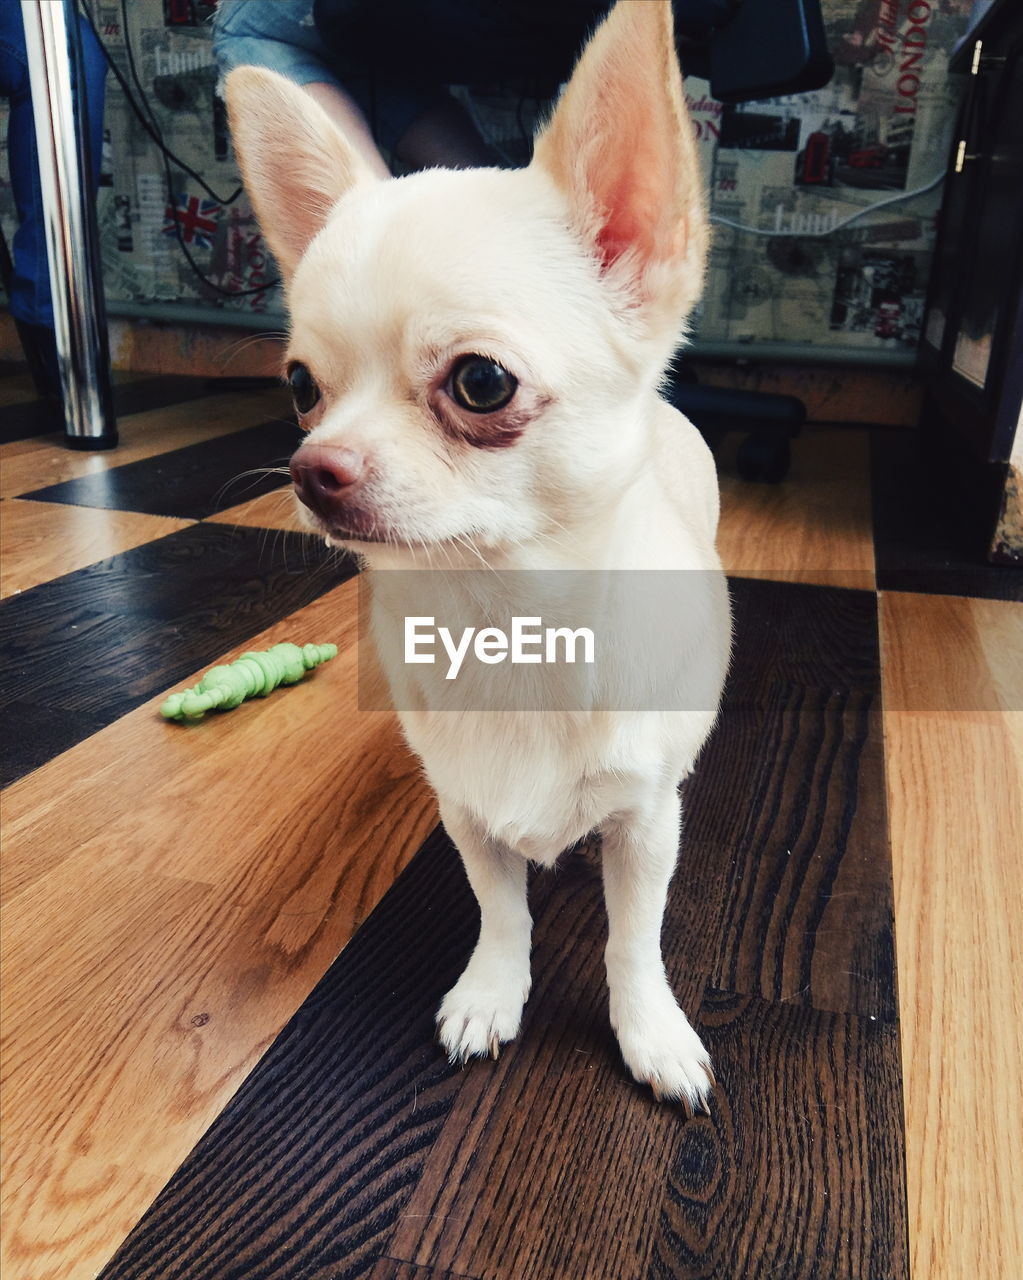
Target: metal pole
[72, 240]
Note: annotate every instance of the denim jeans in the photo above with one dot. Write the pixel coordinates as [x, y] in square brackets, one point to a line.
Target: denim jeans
[281, 35]
[30, 299]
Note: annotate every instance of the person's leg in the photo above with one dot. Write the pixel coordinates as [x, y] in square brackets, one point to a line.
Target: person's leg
[410, 110]
[280, 36]
[30, 300]
[346, 113]
[444, 136]
[30, 289]
[397, 57]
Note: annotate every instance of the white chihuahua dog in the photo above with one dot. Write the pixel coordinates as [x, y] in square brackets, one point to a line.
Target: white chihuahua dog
[476, 357]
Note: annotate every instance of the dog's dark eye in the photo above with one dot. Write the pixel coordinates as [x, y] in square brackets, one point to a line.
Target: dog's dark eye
[303, 386]
[481, 385]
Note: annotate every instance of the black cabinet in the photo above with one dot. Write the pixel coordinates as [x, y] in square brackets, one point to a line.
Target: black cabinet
[972, 347]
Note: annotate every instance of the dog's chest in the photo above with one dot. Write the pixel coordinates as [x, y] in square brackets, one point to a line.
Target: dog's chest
[535, 782]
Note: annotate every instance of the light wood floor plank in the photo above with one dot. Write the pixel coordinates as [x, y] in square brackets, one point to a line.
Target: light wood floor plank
[955, 791]
[270, 511]
[82, 1202]
[90, 780]
[812, 527]
[952, 653]
[32, 464]
[43, 540]
[189, 931]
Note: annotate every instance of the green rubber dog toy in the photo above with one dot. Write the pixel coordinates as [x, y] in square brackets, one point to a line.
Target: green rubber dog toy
[254, 675]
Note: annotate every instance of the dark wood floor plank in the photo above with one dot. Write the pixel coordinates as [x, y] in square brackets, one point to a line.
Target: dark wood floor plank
[34, 733]
[389, 1269]
[799, 1171]
[97, 642]
[551, 1162]
[193, 482]
[793, 781]
[163, 389]
[809, 636]
[796, 787]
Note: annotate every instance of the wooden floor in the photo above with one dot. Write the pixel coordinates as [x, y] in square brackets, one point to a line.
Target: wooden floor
[223, 944]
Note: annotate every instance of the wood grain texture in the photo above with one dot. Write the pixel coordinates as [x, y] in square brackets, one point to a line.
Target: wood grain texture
[33, 464]
[210, 875]
[793, 778]
[798, 1171]
[806, 915]
[38, 543]
[101, 640]
[83, 1203]
[550, 1161]
[306, 1171]
[952, 654]
[815, 526]
[955, 794]
[388, 1269]
[270, 511]
[810, 637]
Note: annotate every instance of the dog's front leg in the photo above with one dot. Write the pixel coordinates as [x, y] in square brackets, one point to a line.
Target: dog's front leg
[484, 1007]
[658, 1044]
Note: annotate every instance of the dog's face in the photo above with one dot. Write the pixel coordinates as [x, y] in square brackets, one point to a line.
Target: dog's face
[470, 349]
[448, 332]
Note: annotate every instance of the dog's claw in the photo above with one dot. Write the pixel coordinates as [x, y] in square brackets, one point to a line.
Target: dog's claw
[476, 1019]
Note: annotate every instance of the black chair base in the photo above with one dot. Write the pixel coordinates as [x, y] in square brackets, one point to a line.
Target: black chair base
[771, 421]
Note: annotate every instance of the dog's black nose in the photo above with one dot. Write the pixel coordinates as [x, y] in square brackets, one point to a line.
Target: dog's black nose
[326, 477]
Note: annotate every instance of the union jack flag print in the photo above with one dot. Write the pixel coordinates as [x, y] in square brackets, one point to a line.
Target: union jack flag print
[196, 219]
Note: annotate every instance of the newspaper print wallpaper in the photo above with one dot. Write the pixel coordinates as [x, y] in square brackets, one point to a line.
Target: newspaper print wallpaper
[789, 171]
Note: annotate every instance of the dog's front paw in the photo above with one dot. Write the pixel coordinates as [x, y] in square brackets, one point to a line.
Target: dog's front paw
[661, 1049]
[479, 1013]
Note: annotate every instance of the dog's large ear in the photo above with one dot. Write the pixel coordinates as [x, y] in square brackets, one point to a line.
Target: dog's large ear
[295, 162]
[621, 147]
